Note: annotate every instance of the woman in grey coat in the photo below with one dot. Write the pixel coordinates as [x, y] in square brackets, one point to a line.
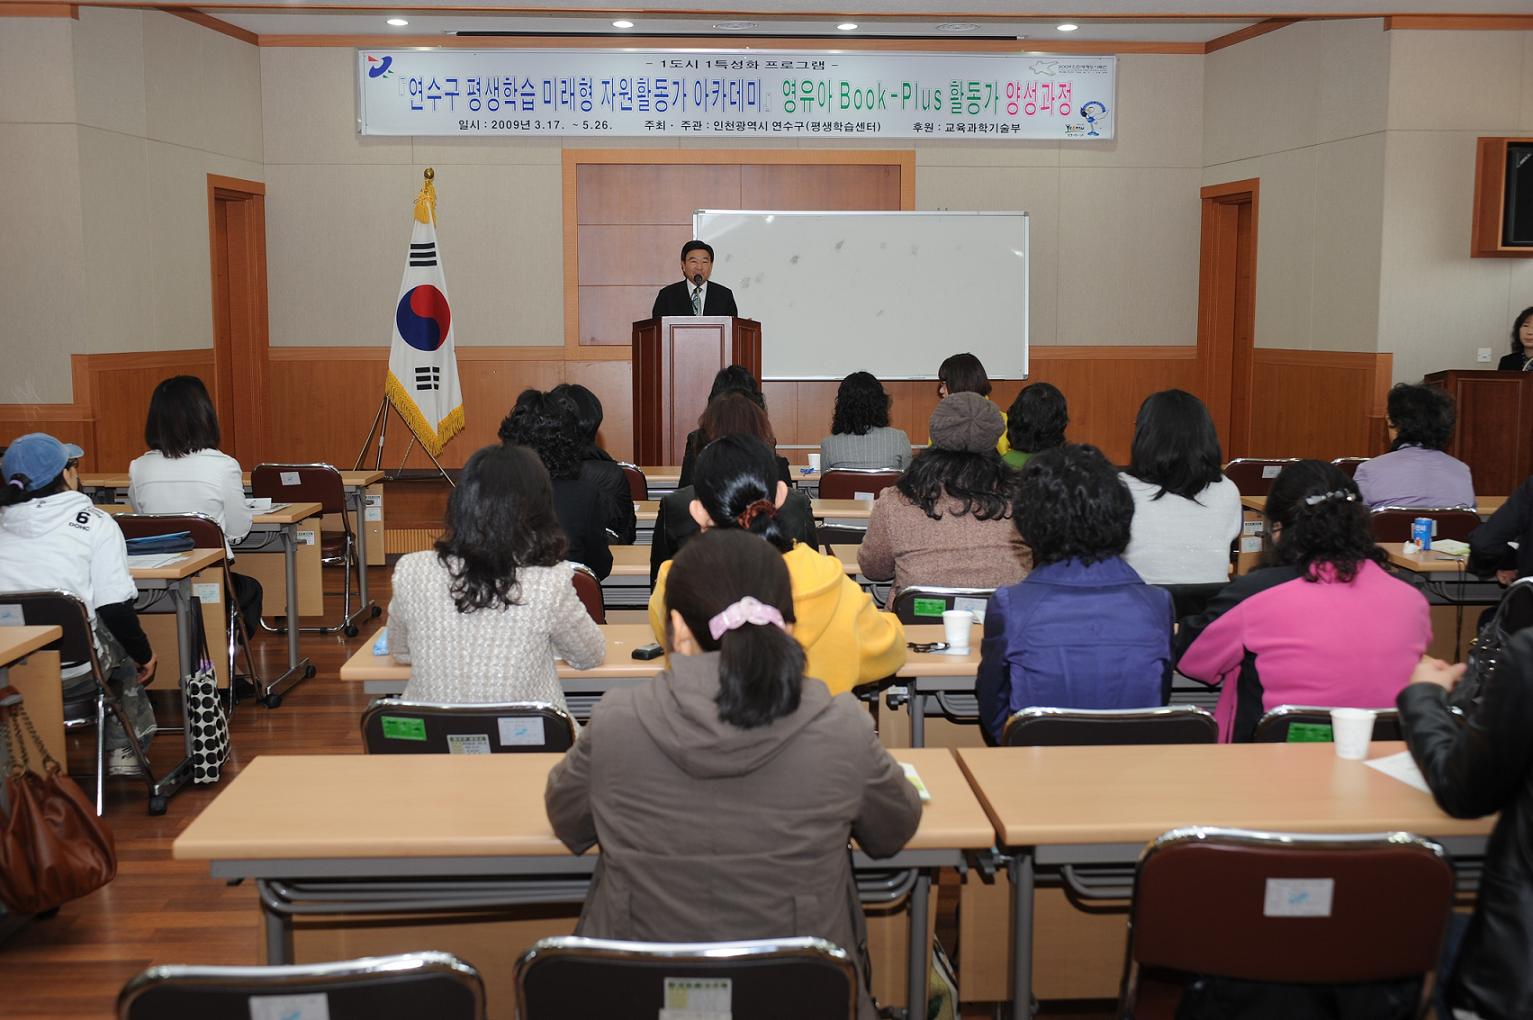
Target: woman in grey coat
[724, 792]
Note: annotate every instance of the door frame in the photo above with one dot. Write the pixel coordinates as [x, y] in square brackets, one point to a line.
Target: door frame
[1227, 305]
[241, 392]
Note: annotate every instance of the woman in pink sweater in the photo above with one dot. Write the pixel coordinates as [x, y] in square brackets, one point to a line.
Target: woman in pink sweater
[1321, 624]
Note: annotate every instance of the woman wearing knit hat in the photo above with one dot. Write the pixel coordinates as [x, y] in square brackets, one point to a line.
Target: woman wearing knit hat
[947, 522]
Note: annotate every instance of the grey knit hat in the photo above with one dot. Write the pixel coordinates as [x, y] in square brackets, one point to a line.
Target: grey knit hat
[966, 422]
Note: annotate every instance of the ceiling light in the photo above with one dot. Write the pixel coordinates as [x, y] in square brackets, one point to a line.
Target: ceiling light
[847, 26]
[1067, 27]
[398, 22]
[735, 26]
[622, 24]
[957, 26]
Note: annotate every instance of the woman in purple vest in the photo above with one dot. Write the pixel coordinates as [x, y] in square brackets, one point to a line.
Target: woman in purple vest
[1082, 630]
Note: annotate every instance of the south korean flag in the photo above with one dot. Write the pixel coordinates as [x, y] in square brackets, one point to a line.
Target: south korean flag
[423, 366]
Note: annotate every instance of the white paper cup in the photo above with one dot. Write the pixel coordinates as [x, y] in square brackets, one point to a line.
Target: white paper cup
[1352, 729]
[956, 623]
[814, 461]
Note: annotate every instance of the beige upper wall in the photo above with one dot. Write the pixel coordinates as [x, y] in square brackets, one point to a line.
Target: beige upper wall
[1437, 305]
[114, 121]
[1304, 110]
[1114, 224]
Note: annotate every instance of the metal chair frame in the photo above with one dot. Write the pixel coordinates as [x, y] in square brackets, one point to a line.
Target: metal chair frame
[77, 646]
[1404, 842]
[1462, 520]
[1272, 727]
[138, 998]
[902, 601]
[1099, 723]
[347, 559]
[483, 716]
[1349, 465]
[638, 483]
[591, 595]
[686, 957]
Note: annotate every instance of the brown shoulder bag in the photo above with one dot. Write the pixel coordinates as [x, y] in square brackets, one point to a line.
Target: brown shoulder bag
[53, 848]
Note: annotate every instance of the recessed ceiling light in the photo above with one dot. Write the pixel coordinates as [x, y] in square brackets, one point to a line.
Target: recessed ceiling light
[1067, 27]
[735, 26]
[847, 26]
[398, 22]
[622, 24]
[957, 26]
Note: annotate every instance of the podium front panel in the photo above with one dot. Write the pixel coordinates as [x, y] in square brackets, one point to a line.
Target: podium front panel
[694, 349]
[1492, 431]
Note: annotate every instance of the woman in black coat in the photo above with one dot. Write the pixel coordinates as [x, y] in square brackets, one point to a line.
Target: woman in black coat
[1522, 344]
[598, 467]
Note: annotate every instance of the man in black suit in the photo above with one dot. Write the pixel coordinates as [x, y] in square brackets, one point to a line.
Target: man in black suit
[693, 294]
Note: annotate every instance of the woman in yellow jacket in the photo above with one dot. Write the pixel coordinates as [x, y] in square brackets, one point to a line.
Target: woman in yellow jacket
[847, 640]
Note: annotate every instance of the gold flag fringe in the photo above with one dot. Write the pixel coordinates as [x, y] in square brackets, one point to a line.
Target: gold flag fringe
[432, 439]
[425, 202]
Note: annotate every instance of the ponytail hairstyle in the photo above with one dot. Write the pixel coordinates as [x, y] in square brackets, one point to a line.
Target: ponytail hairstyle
[1324, 521]
[736, 482]
[15, 490]
[761, 666]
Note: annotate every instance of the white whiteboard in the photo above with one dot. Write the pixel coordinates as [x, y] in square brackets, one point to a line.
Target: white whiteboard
[892, 293]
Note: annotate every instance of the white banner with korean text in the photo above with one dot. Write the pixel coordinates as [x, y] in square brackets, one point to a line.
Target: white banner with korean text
[752, 93]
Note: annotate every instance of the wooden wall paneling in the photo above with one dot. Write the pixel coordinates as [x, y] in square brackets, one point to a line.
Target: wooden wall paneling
[1320, 404]
[120, 386]
[611, 381]
[632, 254]
[69, 423]
[641, 192]
[820, 187]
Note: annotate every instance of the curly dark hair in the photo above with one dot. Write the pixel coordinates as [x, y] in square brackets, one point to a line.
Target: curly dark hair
[549, 424]
[861, 404]
[1175, 445]
[500, 517]
[1322, 521]
[588, 409]
[1036, 420]
[964, 373]
[980, 482]
[1071, 505]
[1421, 416]
[1522, 317]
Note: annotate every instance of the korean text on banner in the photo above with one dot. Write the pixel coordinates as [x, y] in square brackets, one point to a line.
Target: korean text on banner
[423, 366]
[749, 93]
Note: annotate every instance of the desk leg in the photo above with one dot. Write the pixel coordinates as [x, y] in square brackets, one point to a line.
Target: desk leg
[181, 595]
[917, 704]
[298, 668]
[276, 928]
[363, 605]
[1022, 882]
[918, 963]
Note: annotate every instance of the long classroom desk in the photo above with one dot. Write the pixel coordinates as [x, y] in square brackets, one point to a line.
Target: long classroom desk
[1484, 505]
[110, 486]
[380, 822]
[1055, 808]
[34, 672]
[284, 524]
[666, 478]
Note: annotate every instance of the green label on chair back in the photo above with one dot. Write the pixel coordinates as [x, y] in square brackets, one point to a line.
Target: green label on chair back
[397, 728]
[1308, 733]
[930, 607]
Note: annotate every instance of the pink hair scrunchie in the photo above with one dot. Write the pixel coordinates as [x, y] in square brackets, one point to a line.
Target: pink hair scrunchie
[747, 610]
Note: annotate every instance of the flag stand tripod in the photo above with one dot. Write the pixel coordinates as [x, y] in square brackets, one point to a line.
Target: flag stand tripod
[380, 427]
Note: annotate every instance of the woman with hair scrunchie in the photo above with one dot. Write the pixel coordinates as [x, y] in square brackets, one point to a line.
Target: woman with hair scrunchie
[1321, 623]
[847, 640]
[683, 780]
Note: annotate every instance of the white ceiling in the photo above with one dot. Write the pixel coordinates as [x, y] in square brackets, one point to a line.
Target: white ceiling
[373, 23]
[1251, 9]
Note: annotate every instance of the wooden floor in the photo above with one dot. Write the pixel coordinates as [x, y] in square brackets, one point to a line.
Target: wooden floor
[161, 911]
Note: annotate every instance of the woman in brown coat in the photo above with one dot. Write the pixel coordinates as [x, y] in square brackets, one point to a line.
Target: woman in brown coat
[724, 792]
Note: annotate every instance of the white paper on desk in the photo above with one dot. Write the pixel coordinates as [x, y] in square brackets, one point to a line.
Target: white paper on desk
[152, 561]
[1402, 767]
[11, 616]
[290, 1007]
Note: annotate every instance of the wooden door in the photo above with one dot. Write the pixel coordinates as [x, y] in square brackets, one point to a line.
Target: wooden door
[237, 243]
[1227, 308]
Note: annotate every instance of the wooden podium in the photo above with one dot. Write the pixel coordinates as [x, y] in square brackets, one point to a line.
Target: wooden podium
[1494, 434]
[675, 358]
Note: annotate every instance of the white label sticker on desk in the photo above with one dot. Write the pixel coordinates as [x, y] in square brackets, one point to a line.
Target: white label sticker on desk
[11, 616]
[697, 999]
[468, 743]
[288, 477]
[1251, 527]
[290, 1007]
[1299, 897]
[1271, 470]
[866, 496]
[1251, 545]
[208, 594]
[975, 606]
[306, 538]
[374, 509]
[516, 732]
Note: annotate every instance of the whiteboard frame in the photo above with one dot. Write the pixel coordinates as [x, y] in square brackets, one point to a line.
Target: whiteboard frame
[1027, 272]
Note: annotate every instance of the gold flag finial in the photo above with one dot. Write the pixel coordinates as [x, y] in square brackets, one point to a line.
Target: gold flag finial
[425, 202]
